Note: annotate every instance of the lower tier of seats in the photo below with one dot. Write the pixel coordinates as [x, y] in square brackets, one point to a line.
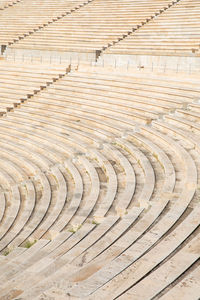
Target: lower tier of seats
[99, 188]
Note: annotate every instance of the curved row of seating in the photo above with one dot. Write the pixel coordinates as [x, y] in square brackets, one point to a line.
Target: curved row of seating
[100, 186]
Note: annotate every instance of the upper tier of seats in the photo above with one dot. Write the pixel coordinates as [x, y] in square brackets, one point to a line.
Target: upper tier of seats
[94, 26]
[175, 32]
[139, 33]
[99, 187]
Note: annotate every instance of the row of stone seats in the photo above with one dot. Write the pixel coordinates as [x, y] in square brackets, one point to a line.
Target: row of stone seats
[88, 30]
[26, 17]
[20, 83]
[189, 285]
[113, 196]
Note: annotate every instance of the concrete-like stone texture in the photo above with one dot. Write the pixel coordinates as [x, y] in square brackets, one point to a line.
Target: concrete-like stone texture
[99, 160]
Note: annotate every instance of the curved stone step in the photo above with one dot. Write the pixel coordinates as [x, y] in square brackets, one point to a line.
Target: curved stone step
[60, 199]
[158, 254]
[152, 215]
[188, 288]
[25, 211]
[75, 201]
[39, 212]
